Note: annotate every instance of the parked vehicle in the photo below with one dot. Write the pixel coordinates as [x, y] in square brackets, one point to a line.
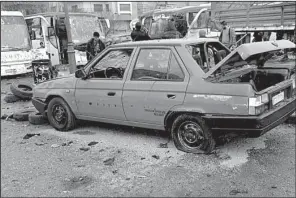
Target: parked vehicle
[159, 85]
[247, 18]
[49, 35]
[16, 55]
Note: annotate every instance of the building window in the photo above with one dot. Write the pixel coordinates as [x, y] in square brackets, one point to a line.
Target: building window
[124, 8]
[74, 8]
[98, 7]
[107, 8]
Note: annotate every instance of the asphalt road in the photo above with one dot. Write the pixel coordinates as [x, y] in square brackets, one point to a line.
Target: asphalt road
[126, 161]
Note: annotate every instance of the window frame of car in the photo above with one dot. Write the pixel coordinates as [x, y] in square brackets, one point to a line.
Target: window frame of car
[96, 60]
[172, 52]
[217, 42]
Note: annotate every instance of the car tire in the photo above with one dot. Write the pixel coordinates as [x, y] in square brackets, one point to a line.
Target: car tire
[60, 115]
[22, 115]
[10, 98]
[22, 90]
[200, 135]
[37, 118]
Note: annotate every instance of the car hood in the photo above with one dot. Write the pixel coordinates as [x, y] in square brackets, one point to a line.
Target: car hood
[58, 83]
[248, 53]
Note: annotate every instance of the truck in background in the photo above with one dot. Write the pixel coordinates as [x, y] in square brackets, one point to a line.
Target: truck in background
[16, 55]
[276, 20]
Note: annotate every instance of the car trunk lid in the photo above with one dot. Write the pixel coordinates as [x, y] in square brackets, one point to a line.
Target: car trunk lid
[249, 54]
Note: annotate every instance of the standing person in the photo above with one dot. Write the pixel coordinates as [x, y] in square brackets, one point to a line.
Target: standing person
[227, 36]
[258, 37]
[138, 34]
[94, 46]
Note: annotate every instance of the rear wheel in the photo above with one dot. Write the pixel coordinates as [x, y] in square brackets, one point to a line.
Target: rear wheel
[60, 115]
[191, 134]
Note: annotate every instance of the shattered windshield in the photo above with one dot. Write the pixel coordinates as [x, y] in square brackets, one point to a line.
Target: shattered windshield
[83, 27]
[14, 34]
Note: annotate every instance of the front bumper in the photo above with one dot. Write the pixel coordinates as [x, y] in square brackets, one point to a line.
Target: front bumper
[257, 124]
[16, 69]
[39, 105]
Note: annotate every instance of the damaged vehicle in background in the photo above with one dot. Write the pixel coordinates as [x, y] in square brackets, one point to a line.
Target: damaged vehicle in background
[160, 85]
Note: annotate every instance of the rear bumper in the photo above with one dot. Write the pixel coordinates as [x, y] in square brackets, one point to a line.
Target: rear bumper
[39, 105]
[259, 124]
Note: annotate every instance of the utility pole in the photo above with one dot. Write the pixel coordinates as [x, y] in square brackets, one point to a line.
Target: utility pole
[71, 52]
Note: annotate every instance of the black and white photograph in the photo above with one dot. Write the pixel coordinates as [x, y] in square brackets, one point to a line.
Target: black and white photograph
[148, 98]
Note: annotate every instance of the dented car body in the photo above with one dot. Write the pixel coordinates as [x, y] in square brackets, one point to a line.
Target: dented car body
[159, 85]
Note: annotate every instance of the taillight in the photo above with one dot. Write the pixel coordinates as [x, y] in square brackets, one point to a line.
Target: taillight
[258, 105]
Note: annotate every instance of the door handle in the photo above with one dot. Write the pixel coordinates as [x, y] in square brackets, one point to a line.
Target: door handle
[171, 96]
[111, 93]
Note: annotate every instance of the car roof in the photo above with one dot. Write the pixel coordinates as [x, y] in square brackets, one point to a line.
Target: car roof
[165, 42]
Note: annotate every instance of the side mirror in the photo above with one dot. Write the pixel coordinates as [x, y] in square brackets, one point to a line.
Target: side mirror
[80, 73]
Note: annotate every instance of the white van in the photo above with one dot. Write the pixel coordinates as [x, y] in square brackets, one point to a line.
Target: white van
[16, 56]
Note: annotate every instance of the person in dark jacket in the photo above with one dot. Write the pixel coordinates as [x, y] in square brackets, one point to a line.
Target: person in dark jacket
[94, 46]
[138, 34]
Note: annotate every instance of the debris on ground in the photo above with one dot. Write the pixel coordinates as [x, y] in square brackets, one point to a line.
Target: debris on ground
[37, 118]
[163, 145]
[55, 146]
[114, 171]
[4, 116]
[237, 191]
[142, 158]
[84, 148]
[273, 187]
[109, 161]
[101, 150]
[22, 115]
[10, 98]
[67, 143]
[92, 143]
[155, 156]
[223, 156]
[9, 116]
[29, 135]
[39, 143]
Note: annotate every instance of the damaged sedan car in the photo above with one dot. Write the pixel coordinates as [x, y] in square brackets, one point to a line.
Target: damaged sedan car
[170, 85]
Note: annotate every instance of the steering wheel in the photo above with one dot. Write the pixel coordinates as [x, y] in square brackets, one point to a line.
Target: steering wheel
[110, 70]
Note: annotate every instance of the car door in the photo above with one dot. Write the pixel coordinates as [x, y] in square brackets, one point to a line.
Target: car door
[99, 96]
[154, 86]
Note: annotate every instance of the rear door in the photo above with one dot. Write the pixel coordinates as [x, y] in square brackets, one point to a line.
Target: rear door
[161, 81]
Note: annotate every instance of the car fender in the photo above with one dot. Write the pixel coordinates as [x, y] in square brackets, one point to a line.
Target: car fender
[181, 109]
[66, 94]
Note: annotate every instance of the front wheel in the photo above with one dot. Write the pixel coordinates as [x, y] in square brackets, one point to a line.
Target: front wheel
[191, 134]
[60, 115]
